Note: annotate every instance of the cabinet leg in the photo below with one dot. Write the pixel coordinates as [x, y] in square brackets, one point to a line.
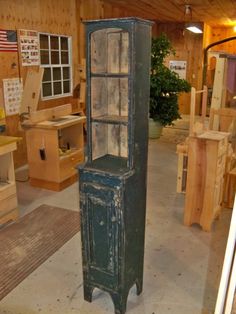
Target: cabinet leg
[88, 293]
[206, 226]
[139, 286]
[119, 301]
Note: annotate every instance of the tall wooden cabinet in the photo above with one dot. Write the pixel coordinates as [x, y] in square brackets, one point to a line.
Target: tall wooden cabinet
[206, 167]
[113, 181]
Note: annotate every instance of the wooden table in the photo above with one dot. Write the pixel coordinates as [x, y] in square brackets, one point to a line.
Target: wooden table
[54, 148]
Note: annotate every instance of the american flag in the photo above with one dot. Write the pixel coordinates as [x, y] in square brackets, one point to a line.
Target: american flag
[8, 40]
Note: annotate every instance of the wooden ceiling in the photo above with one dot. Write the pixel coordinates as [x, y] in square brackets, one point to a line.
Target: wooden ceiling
[212, 12]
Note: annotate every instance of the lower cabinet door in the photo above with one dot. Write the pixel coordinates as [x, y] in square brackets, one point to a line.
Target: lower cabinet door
[100, 218]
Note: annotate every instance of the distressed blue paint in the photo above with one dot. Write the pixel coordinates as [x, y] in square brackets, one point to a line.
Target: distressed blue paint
[113, 190]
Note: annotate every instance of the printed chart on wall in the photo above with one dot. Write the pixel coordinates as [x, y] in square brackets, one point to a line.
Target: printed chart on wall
[29, 47]
[12, 91]
[179, 67]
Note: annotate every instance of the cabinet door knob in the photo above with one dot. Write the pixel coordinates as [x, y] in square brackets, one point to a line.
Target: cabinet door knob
[113, 219]
[101, 223]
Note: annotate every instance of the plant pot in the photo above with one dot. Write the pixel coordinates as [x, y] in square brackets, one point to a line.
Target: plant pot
[155, 128]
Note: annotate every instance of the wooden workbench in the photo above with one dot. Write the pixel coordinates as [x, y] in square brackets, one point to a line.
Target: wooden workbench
[8, 196]
[54, 148]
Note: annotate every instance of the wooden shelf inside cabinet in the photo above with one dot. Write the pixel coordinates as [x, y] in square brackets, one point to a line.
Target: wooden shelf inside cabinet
[112, 119]
[110, 75]
[110, 164]
[55, 147]
[8, 197]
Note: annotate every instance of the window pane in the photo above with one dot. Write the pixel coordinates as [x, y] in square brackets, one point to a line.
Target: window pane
[44, 56]
[54, 57]
[47, 89]
[54, 42]
[64, 43]
[56, 74]
[47, 74]
[66, 86]
[43, 39]
[66, 73]
[65, 57]
[57, 88]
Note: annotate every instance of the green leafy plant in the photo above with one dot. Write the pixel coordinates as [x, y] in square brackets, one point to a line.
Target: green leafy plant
[165, 85]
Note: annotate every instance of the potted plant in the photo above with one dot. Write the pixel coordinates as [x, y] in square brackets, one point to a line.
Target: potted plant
[165, 85]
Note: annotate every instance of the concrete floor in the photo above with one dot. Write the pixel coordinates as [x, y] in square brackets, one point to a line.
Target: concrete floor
[182, 264]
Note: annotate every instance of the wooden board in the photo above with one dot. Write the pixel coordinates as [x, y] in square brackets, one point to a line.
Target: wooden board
[6, 140]
[58, 123]
[31, 91]
[48, 114]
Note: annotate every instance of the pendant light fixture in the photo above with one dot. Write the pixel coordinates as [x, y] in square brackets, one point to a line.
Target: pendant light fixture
[191, 26]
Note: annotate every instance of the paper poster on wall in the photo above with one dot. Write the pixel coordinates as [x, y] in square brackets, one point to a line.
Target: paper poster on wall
[12, 92]
[29, 47]
[179, 67]
[2, 112]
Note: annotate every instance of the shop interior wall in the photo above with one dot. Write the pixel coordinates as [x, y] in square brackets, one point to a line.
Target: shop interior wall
[66, 18]
[188, 47]
[55, 17]
[219, 33]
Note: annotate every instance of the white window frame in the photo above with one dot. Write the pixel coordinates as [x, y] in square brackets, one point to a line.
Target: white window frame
[59, 65]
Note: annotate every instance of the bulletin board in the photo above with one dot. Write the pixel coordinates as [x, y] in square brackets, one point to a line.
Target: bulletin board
[2, 111]
[12, 92]
[29, 47]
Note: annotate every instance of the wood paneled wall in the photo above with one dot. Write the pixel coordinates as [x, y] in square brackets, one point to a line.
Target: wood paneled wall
[188, 47]
[66, 17]
[96, 9]
[219, 33]
[54, 16]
